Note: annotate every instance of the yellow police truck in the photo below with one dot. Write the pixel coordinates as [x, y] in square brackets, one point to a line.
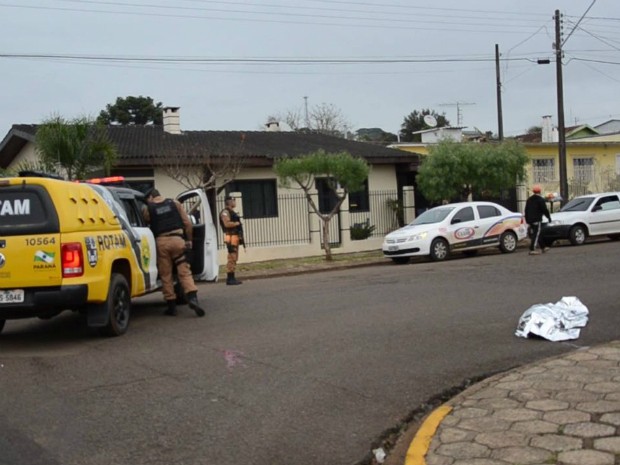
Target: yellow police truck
[84, 247]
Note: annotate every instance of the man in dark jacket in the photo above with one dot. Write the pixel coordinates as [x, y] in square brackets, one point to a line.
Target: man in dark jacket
[535, 209]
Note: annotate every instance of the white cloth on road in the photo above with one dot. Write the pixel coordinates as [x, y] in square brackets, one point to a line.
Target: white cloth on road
[556, 322]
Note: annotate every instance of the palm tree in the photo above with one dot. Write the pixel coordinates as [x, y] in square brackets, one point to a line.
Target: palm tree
[75, 148]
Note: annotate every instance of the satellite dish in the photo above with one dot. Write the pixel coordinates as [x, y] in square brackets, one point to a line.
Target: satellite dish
[430, 121]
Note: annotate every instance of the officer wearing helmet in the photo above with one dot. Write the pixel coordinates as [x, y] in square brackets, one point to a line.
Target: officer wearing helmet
[535, 209]
[172, 229]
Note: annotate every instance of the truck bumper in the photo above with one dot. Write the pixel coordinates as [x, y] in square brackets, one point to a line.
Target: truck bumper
[45, 301]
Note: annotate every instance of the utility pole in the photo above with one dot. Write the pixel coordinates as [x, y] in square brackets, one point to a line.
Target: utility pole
[459, 114]
[500, 120]
[560, 89]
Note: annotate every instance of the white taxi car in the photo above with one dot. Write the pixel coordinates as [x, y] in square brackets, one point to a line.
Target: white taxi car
[466, 226]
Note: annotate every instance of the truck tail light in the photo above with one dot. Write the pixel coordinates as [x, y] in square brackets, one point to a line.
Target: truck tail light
[72, 260]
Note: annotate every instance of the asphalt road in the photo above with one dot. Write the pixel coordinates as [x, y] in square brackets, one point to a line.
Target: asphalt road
[306, 370]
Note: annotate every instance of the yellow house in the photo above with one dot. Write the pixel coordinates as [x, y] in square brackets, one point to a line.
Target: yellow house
[592, 162]
[592, 165]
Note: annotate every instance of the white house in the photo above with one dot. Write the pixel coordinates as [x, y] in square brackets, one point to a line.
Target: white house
[277, 220]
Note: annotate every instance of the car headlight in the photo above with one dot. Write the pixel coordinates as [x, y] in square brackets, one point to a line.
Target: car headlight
[417, 237]
[555, 223]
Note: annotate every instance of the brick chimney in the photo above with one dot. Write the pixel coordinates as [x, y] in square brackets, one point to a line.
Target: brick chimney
[172, 124]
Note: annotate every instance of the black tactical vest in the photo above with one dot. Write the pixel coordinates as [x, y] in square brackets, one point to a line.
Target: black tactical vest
[165, 217]
[233, 217]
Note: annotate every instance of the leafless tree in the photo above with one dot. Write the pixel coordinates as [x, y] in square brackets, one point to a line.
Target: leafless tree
[328, 119]
[325, 118]
[209, 166]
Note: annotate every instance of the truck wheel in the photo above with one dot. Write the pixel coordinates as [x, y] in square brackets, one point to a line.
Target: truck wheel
[577, 235]
[119, 307]
[439, 249]
[508, 242]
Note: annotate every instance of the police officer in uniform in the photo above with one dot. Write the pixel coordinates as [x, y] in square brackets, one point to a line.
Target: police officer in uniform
[172, 229]
[231, 225]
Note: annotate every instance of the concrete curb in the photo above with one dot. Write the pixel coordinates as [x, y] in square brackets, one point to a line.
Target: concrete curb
[421, 442]
[279, 273]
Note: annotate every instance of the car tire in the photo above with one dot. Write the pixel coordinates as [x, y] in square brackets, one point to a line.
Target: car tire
[119, 307]
[577, 235]
[400, 260]
[508, 242]
[440, 249]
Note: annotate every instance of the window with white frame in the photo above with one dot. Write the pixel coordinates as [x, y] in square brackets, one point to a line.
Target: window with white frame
[543, 170]
[583, 169]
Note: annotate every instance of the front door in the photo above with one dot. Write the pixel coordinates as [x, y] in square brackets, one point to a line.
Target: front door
[463, 232]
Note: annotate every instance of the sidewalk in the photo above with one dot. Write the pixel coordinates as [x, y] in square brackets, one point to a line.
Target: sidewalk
[290, 267]
[563, 410]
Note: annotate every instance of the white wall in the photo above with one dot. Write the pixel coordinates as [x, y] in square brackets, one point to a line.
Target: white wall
[27, 154]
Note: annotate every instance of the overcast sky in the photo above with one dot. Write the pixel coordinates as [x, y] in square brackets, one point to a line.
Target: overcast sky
[382, 59]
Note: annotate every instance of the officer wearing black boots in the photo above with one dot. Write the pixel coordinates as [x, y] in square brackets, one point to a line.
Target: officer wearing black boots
[233, 238]
[173, 235]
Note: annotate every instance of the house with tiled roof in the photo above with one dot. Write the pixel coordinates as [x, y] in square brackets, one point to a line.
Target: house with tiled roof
[277, 220]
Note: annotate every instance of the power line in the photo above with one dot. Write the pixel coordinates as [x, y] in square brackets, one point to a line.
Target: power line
[476, 26]
[398, 14]
[578, 22]
[205, 60]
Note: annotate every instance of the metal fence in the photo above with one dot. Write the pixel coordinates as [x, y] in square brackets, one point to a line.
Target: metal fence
[381, 214]
[292, 225]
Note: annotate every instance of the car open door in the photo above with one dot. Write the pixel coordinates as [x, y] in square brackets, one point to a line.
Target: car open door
[205, 264]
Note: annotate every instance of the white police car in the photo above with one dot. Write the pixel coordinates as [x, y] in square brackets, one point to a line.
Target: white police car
[466, 226]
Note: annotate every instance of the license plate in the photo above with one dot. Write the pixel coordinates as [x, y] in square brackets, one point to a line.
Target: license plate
[392, 248]
[12, 296]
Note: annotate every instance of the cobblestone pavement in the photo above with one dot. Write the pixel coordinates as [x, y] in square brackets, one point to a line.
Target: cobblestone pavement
[564, 410]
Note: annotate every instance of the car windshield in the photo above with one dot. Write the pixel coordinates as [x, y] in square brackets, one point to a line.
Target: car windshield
[435, 215]
[578, 205]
